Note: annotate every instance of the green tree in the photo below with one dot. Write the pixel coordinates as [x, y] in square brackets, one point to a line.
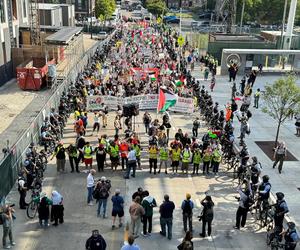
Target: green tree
[281, 100]
[104, 8]
[156, 7]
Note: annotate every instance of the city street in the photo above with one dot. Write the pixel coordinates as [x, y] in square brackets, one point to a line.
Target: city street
[80, 219]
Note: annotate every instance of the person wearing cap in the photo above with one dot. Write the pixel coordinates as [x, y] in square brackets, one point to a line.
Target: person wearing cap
[102, 190]
[90, 186]
[60, 154]
[100, 152]
[117, 208]
[291, 236]
[281, 209]
[95, 242]
[187, 207]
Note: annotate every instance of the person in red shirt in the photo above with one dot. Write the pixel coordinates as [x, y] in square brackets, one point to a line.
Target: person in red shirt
[124, 147]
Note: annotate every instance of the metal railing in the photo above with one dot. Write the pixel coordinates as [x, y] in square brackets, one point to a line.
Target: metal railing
[11, 164]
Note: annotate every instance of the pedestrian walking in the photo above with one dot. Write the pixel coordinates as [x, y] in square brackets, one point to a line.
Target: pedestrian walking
[196, 125]
[104, 113]
[73, 157]
[207, 215]
[117, 208]
[233, 69]
[60, 154]
[166, 216]
[297, 125]
[279, 155]
[96, 125]
[256, 98]
[7, 220]
[148, 203]
[101, 194]
[136, 212]
[206, 73]
[147, 121]
[117, 125]
[80, 143]
[95, 242]
[137, 148]
[57, 208]
[90, 186]
[187, 207]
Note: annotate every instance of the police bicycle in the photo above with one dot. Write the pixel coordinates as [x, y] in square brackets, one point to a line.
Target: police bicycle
[33, 205]
[274, 238]
[263, 212]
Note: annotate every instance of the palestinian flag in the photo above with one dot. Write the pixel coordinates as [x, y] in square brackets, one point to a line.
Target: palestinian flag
[166, 99]
[180, 81]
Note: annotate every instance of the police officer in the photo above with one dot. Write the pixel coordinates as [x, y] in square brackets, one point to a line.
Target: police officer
[264, 191]
[290, 236]
[255, 171]
[281, 209]
[95, 242]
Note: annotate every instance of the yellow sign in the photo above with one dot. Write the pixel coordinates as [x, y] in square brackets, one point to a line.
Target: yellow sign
[118, 44]
[180, 40]
[158, 20]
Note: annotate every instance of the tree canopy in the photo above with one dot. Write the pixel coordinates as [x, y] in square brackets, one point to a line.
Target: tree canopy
[282, 100]
[104, 8]
[156, 7]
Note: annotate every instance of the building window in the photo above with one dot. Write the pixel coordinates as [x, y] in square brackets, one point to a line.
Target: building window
[24, 9]
[79, 4]
[2, 12]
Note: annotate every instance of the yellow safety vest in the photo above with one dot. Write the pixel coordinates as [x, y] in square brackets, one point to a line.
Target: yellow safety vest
[186, 156]
[114, 151]
[197, 158]
[152, 153]
[175, 154]
[137, 150]
[163, 154]
[217, 156]
[87, 152]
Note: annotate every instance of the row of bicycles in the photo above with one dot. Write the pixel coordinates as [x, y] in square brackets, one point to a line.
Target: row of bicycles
[245, 169]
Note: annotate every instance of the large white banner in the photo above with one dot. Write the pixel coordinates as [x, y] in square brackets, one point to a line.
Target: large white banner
[145, 102]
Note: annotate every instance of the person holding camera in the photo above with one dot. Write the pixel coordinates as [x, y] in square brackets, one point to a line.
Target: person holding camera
[207, 215]
[7, 220]
[244, 204]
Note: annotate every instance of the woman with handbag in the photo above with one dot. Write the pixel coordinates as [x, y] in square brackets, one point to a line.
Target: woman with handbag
[207, 215]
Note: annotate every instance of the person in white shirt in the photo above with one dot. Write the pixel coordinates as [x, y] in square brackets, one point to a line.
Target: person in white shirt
[90, 186]
[96, 123]
[131, 163]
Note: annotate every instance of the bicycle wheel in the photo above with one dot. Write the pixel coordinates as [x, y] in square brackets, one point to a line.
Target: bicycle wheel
[31, 210]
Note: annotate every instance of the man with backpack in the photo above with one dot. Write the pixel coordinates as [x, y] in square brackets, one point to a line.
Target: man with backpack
[148, 203]
[245, 202]
[187, 207]
[101, 194]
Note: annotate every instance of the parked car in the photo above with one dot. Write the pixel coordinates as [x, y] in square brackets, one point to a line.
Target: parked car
[101, 35]
[171, 19]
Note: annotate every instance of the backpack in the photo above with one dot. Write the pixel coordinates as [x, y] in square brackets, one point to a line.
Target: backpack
[187, 208]
[103, 191]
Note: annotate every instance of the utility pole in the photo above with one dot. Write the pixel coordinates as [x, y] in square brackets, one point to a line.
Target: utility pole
[242, 16]
[290, 25]
[283, 24]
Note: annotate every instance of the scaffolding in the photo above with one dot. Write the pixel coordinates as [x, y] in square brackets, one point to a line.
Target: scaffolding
[35, 23]
[225, 11]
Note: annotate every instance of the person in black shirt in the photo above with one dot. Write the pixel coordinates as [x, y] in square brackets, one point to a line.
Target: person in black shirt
[95, 242]
[60, 153]
[166, 216]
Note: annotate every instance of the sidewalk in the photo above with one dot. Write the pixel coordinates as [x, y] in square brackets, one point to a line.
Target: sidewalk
[263, 128]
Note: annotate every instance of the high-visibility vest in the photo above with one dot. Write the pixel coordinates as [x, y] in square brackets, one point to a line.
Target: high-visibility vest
[175, 155]
[153, 153]
[197, 158]
[87, 152]
[163, 154]
[114, 151]
[137, 150]
[257, 94]
[186, 156]
[206, 157]
[217, 156]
